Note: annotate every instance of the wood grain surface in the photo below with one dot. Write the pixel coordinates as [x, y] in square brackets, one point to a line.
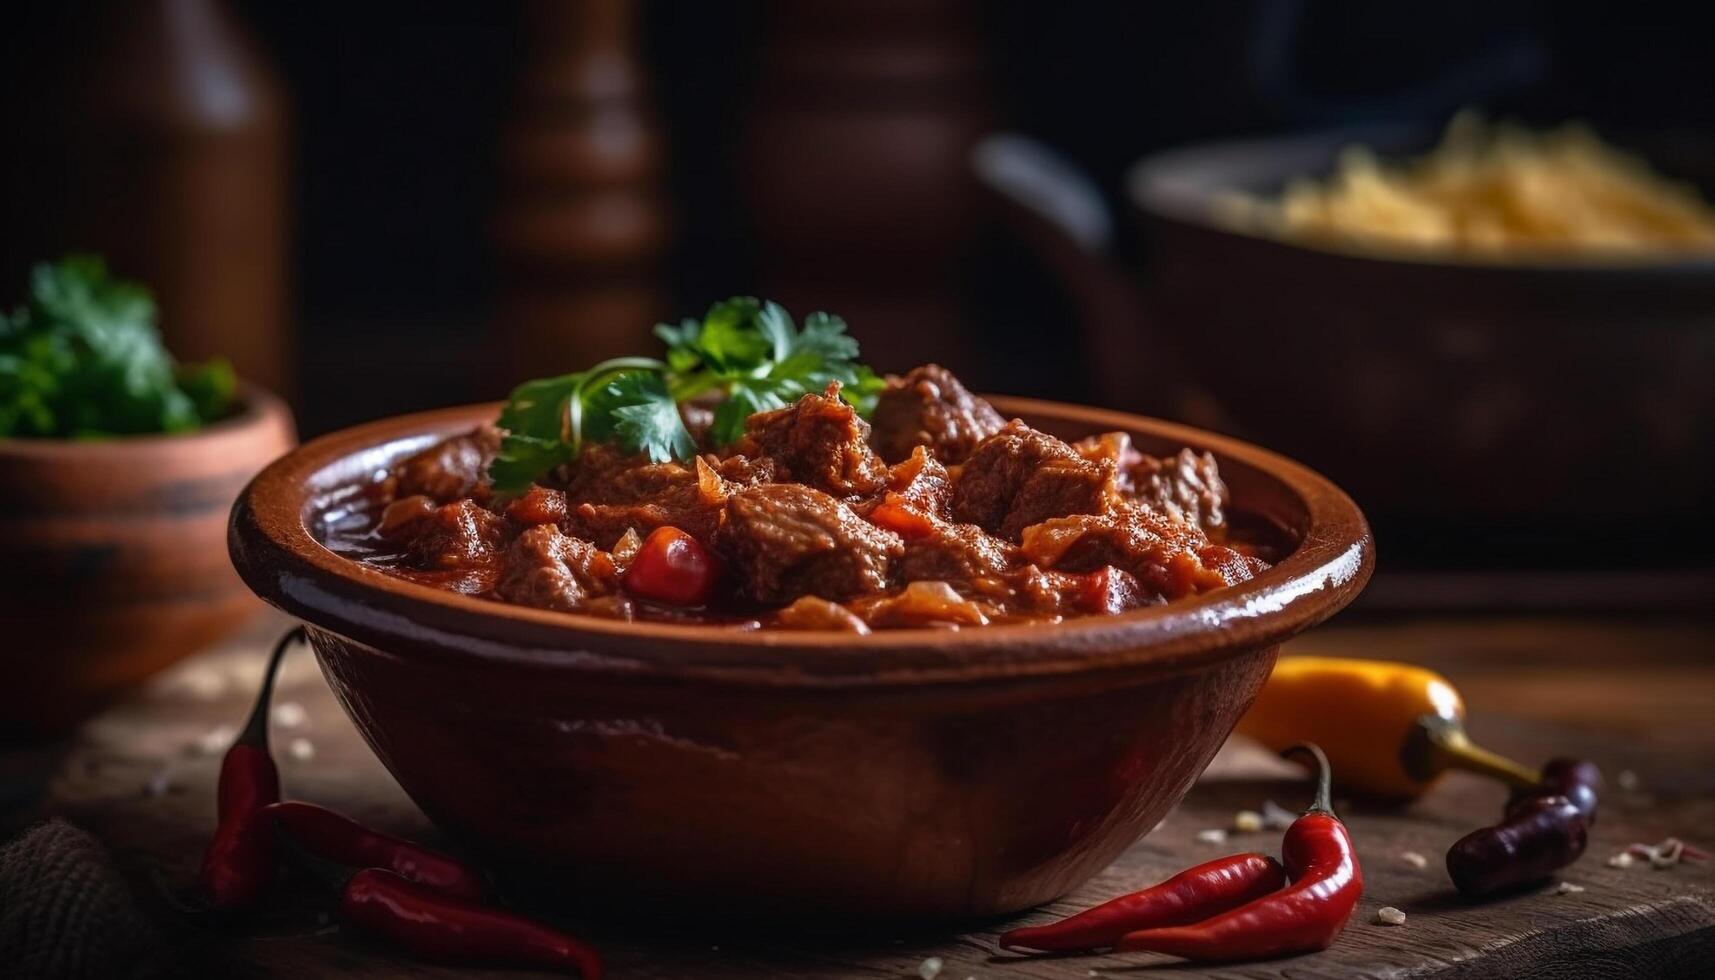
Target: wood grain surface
[1635, 697]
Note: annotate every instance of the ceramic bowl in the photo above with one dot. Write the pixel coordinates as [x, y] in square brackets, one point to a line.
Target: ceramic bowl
[908, 774]
[111, 566]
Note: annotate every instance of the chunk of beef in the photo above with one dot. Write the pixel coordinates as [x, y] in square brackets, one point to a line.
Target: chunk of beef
[1187, 487]
[1019, 477]
[537, 505]
[818, 441]
[549, 569]
[461, 534]
[743, 471]
[450, 469]
[921, 482]
[929, 407]
[813, 613]
[643, 496]
[1166, 555]
[954, 552]
[784, 540]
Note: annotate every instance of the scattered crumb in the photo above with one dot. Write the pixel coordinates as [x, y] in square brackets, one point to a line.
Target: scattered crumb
[1621, 860]
[1414, 859]
[1214, 835]
[290, 714]
[301, 749]
[1094, 973]
[1276, 817]
[1247, 822]
[158, 785]
[215, 741]
[1387, 915]
[1568, 888]
[1629, 781]
[930, 968]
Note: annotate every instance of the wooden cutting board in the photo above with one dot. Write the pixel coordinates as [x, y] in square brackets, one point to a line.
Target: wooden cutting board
[141, 777]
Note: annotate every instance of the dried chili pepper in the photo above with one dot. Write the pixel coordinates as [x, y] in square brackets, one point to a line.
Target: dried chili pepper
[339, 838]
[1303, 917]
[1539, 836]
[1575, 779]
[239, 863]
[435, 926]
[1189, 896]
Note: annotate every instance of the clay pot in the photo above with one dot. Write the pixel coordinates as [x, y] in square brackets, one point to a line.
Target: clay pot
[111, 566]
[908, 774]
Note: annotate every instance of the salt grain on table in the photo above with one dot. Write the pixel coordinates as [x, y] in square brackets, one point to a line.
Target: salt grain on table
[1214, 835]
[1621, 860]
[1568, 888]
[215, 741]
[301, 749]
[1414, 859]
[290, 714]
[930, 968]
[1387, 915]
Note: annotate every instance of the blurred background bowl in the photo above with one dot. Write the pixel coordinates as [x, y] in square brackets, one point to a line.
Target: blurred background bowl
[112, 564]
[1558, 412]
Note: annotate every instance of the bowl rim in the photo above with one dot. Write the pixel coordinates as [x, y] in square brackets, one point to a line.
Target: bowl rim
[257, 407]
[1155, 185]
[279, 558]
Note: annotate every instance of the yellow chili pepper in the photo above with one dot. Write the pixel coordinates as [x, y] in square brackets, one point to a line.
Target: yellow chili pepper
[1390, 729]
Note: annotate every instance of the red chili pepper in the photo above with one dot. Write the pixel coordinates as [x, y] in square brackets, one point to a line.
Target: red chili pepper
[672, 567]
[433, 925]
[339, 838]
[239, 863]
[1303, 917]
[1189, 896]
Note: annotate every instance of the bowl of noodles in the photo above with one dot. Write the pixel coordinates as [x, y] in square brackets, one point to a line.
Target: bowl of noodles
[1501, 339]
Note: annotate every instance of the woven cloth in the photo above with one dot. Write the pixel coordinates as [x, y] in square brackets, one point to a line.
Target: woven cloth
[65, 912]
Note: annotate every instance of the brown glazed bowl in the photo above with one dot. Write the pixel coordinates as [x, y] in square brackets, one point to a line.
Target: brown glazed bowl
[922, 774]
[110, 558]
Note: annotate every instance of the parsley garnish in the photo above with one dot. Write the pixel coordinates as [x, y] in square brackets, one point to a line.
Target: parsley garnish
[745, 351]
[81, 358]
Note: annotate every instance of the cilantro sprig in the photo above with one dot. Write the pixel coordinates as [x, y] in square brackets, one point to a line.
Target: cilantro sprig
[81, 358]
[746, 352]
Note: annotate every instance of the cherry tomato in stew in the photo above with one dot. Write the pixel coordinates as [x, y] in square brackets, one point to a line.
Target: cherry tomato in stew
[673, 568]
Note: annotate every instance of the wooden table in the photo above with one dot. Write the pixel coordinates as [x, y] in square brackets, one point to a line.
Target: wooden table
[1635, 696]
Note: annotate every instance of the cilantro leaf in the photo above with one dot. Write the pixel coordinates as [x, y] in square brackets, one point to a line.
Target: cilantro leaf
[82, 358]
[746, 351]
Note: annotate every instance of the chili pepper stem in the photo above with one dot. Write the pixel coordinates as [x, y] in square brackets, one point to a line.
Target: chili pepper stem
[255, 730]
[1324, 775]
[1438, 744]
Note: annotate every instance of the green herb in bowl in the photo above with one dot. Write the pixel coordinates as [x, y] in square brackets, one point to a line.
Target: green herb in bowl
[745, 350]
[81, 358]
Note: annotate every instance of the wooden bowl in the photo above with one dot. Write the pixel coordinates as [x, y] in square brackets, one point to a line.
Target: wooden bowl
[110, 559]
[1544, 413]
[904, 774]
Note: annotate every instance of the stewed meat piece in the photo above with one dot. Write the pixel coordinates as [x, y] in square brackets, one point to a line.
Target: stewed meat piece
[643, 496]
[448, 470]
[929, 407]
[920, 482]
[1168, 556]
[1186, 486]
[818, 441]
[954, 553]
[549, 569]
[462, 534]
[784, 540]
[1019, 477]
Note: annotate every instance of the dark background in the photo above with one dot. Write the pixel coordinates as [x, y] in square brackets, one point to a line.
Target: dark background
[398, 112]
[397, 109]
